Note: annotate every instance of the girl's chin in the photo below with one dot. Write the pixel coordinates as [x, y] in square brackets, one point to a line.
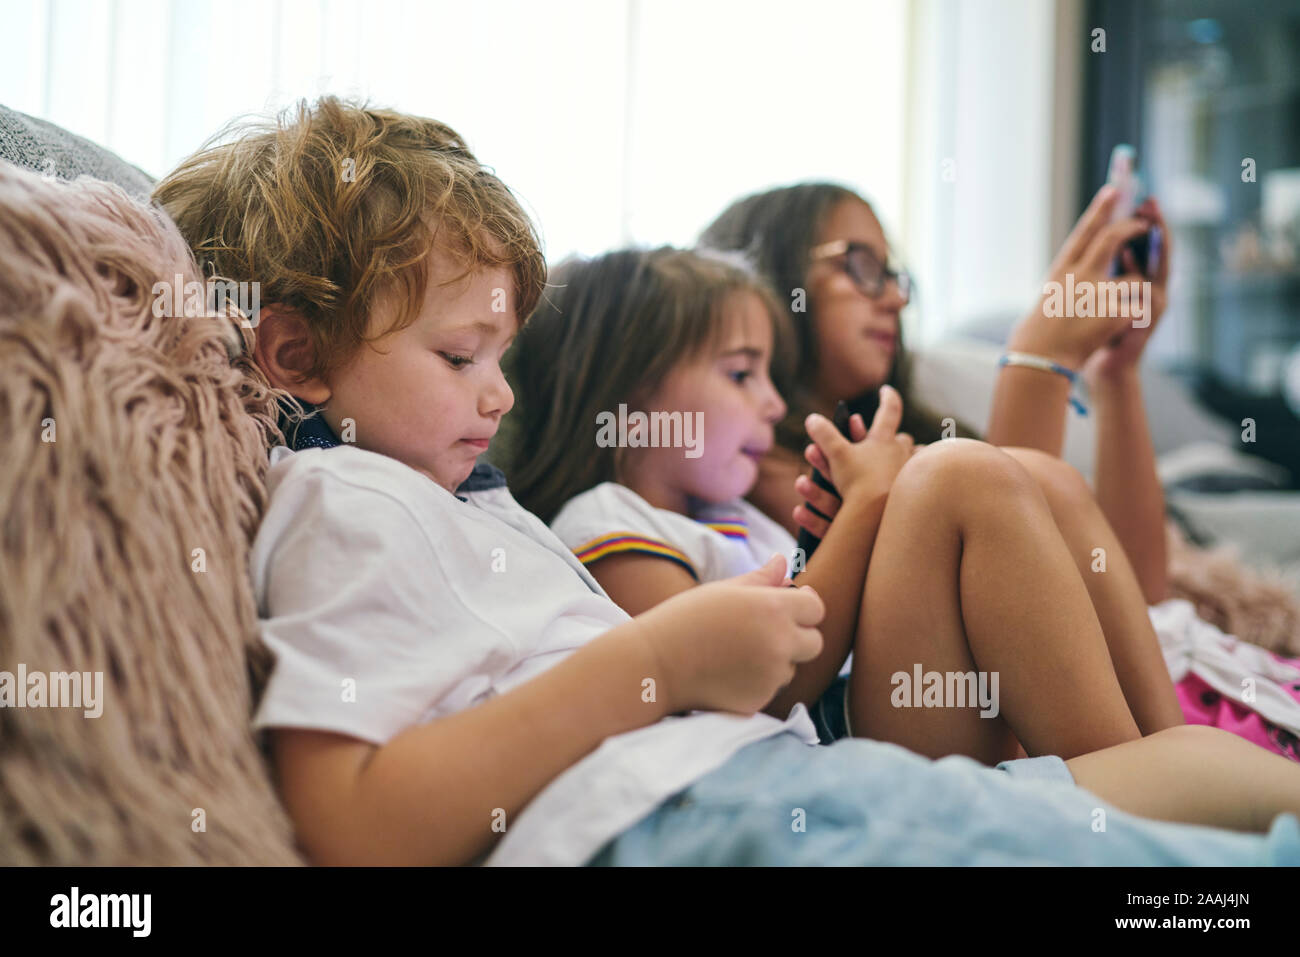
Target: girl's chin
[724, 492]
[869, 381]
[745, 481]
[858, 382]
[869, 373]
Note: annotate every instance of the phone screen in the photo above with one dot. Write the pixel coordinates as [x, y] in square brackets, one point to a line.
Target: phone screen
[1124, 176]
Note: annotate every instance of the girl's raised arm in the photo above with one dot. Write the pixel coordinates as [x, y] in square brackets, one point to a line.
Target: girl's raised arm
[1029, 404]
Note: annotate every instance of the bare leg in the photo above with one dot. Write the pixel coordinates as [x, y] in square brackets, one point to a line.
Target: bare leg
[1115, 591]
[969, 573]
[1194, 775]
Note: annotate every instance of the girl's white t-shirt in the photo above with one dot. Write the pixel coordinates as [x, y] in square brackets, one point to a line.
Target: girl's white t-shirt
[390, 602]
[721, 541]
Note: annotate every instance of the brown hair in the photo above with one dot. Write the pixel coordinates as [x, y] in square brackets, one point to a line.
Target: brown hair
[608, 333]
[777, 229]
[332, 207]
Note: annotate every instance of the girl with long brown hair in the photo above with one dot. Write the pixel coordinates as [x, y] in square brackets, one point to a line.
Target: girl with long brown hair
[968, 571]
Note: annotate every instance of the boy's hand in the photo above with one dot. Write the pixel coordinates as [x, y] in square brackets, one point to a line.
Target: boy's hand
[1086, 255]
[869, 466]
[731, 645]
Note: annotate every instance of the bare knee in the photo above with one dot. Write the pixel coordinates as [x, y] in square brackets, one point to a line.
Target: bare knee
[1196, 738]
[962, 469]
[1064, 486]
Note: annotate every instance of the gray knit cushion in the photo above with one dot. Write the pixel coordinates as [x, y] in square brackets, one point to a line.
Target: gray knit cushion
[42, 147]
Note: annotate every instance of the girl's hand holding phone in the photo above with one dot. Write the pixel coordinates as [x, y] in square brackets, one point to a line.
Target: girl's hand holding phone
[1121, 353]
[867, 466]
[1085, 258]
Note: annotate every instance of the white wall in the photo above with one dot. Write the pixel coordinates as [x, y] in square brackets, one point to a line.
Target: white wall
[979, 223]
[618, 121]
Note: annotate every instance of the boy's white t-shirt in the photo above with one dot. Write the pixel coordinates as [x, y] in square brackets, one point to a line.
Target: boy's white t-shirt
[389, 602]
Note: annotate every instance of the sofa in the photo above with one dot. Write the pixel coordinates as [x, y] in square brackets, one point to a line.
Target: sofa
[132, 484]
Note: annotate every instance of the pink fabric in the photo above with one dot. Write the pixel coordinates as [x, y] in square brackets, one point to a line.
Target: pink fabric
[1203, 705]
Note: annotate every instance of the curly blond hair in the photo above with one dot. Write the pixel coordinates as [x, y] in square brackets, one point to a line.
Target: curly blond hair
[334, 206]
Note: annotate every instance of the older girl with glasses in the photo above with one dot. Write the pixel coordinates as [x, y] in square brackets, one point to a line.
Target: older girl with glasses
[823, 248]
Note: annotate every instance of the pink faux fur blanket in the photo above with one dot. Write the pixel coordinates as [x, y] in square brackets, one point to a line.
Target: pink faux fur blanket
[131, 485]
[1256, 606]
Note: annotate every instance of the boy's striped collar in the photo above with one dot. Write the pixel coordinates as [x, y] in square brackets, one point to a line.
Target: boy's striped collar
[311, 433]
[314, 433]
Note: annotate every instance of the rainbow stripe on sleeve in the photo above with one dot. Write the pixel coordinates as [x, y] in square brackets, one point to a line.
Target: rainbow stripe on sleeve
[618, 542]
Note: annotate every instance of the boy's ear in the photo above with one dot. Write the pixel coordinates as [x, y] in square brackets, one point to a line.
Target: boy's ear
[282, 350]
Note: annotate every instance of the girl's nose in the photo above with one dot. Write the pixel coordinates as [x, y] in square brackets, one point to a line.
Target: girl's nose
[891, 297]
[776, 407]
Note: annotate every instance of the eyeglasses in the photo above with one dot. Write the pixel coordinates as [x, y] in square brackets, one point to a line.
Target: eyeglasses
[868, 273]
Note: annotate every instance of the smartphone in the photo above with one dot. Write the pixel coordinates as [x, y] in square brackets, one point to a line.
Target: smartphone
[865, 406]
[1124, 176]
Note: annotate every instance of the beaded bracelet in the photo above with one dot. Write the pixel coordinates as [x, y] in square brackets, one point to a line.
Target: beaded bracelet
[1046, 365]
